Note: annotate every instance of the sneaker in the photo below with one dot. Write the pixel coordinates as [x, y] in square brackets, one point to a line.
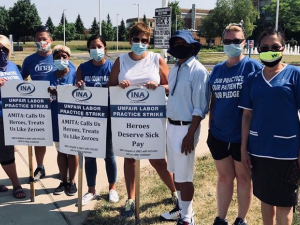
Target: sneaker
[113, 196]
[219, 221]
[239, 221]
[173, 215]
[87, 198]
[72, 189]
[61, 188]
[39, 173]
[181, 222]
[128, 210]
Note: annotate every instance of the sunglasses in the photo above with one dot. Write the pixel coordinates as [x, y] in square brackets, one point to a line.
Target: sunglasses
[234, 41]
[137, 40]
[3, 49]
[273, 48]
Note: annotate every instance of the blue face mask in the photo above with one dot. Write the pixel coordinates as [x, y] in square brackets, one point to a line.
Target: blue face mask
[61, 64]
[233, 50]
[97, 54]
[138, 48]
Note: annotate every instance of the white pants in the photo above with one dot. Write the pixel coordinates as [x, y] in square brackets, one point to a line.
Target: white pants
[180, 164]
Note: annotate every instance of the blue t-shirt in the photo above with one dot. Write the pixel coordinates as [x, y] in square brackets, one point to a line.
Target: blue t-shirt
[226, 83]
[11, 73]
[274, 131]
[68, 79]
[95, 76]
[38, 67]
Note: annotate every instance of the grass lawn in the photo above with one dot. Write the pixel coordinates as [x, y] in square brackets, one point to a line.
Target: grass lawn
[155, 199]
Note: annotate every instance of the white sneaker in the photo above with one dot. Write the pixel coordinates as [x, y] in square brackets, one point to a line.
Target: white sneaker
[87, 198]
[113, 196]
[173, 215]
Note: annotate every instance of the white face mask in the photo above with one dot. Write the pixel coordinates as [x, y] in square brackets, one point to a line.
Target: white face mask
[97, 54]
[43, 46]
[61, 64]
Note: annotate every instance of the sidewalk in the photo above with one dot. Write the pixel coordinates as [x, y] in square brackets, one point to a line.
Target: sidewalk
[49, 209]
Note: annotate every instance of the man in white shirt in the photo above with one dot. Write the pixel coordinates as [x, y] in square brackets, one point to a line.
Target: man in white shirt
[187, 105]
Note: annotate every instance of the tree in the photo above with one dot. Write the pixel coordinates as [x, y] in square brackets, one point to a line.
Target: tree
[145, 20]
[50, 25]
[24, 18]
[62, 19]
[79, 25]
[232, 11]
[70, 32]
[176, 13]
[95, 27]
[122, 31]
[110, 30]
[289, 16]
[4, 21]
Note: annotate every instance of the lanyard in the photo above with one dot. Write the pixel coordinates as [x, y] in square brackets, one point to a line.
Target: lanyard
[176, 80]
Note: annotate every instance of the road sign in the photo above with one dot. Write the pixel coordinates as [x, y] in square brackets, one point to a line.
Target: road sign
[162, 31]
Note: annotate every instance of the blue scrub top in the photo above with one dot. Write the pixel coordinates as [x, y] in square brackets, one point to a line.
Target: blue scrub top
[226, 83]
[274, 131]
[95, 76]
[68, 79]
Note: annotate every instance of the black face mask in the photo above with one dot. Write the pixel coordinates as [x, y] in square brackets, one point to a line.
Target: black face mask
[180, 51]
[271, 64]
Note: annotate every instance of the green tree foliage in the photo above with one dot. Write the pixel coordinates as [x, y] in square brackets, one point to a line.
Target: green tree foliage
[95, 27]
[176, 13]
[24, 18]
[4, 20]
[122, 31]
[109, 29]
[62, 19]
[70, 32]
[229, 11]
[79, 25]
[50, 25]
[289, 16]
[145, 20]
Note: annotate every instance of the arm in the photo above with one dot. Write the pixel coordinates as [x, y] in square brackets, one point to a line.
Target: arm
[200, 99]
[246, 124]
[79, 81]
[24, 71]
[188, 141]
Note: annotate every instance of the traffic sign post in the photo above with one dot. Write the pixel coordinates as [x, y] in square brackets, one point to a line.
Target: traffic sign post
[250, 46]
[162, 31]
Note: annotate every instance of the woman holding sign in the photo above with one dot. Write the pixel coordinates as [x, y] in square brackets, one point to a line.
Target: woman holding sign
[64, 75]
[8, 71]
[140, 67]
[95, 73]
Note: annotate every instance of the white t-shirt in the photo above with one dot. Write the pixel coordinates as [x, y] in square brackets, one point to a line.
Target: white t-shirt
[141, 71]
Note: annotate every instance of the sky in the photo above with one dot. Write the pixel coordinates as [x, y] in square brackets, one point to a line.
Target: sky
[88, 9]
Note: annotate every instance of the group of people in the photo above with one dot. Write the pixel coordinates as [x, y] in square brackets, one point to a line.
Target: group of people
[253, 119]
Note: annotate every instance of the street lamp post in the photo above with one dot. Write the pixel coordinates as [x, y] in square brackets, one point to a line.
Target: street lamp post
[100, 27]
[64, 26]
[118, 32]
[277, 16]
[138, 5]
[163, 52]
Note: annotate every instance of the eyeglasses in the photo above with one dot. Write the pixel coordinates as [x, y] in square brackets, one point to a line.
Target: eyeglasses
[137, 40]
[3, 49]
[273, 48]
[234, 41]
[41, 29]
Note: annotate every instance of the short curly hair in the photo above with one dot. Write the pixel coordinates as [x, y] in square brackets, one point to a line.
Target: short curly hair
[137, 28]
[61, 48]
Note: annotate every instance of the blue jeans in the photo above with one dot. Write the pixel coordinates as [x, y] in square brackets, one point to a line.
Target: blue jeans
[110, 162]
